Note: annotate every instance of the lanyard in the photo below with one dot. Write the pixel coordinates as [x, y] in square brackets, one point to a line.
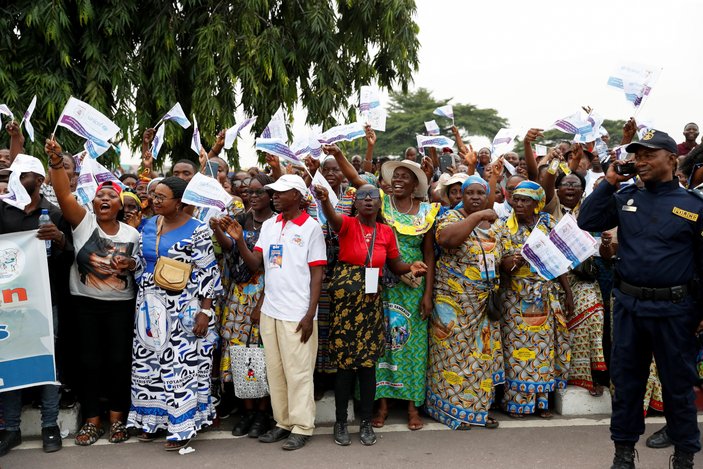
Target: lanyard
[369, 252]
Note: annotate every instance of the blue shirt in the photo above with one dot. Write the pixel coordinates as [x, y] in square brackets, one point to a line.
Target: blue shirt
[660, 231]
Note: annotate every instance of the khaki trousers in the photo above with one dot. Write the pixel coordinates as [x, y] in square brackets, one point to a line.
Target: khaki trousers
[289, 368]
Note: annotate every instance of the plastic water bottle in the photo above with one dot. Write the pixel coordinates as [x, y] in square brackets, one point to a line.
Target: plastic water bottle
[43, 220]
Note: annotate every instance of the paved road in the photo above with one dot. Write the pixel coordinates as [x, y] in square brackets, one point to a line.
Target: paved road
[532, 443]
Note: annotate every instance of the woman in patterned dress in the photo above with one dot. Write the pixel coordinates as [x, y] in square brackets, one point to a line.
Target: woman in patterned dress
[586, 323]
[466, 358]
[400, 373]
[357, 335]
[534, 334]
[243, 300]
[174, 331]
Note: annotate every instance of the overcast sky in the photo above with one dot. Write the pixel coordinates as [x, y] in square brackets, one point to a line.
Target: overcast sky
[538, 61]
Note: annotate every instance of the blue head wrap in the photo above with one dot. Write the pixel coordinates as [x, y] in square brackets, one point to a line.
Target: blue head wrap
[473, 179]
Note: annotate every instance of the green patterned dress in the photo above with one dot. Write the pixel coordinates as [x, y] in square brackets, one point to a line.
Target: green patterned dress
[400, 372]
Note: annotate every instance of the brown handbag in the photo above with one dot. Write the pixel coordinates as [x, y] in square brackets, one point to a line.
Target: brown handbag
[170, 274]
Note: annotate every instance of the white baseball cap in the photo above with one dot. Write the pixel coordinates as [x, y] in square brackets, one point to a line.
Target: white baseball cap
[288, 182]
[27, 164]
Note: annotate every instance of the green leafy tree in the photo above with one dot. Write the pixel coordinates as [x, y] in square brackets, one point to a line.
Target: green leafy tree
[408, 112]
[133, 59]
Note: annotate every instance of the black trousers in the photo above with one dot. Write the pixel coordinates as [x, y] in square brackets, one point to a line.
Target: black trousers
[671, 339]
[344, 385]
[104, 330]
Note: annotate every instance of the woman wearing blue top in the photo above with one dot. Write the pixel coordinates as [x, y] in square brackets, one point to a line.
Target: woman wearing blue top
[174, 331]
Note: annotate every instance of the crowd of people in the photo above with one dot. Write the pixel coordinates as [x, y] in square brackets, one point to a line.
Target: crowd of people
[411, 290]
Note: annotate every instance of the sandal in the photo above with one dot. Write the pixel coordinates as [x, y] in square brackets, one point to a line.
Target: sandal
[118, 432]
[379, 419]
[147, 437]
[545, 414]
[491, 423]
[596, 391]
[414, 421]
[91, 431]
[514, 415]
[175, 445]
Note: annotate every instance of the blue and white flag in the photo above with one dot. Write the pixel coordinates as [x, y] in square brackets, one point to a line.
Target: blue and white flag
[277, 147]
[27, 115]
[432, 127]
[195, 143]
[232, 133]
[445, 111]
[276, 128]
[158, 140]
[342, 133]
[177, 115]
[435, 141]
[636, 81]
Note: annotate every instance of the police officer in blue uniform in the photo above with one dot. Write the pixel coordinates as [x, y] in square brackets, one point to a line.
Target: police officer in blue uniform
[660, 257]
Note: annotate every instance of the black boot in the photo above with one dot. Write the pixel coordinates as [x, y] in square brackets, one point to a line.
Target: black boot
[624, 456]
[8, 440]
[681, 460]
[242, 427]
[659, 439]
[260, 425]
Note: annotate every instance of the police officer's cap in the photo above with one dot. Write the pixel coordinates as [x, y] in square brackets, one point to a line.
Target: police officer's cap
[655, 139]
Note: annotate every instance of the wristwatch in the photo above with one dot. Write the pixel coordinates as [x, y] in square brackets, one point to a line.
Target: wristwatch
[207, 312]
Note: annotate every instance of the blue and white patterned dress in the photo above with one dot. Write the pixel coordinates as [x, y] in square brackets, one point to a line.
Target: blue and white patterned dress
[170, 365]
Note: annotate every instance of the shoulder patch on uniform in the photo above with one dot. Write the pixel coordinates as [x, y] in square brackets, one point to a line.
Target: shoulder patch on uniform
[685, 214]
[695, 192]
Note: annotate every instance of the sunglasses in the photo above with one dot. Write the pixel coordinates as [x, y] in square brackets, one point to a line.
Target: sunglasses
[371, 194]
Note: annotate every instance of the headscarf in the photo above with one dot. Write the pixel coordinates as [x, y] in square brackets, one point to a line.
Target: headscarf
[153, 183]
[128, 193]
[474, 179]
[528, 189]
[110, 185]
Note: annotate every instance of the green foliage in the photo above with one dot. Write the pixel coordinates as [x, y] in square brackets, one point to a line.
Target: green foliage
[133, 59]
[407, 114]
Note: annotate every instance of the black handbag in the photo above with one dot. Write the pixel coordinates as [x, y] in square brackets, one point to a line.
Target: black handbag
[494, 309]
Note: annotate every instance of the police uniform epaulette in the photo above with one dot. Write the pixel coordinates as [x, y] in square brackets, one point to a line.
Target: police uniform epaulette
[628, 188]
[697, 192]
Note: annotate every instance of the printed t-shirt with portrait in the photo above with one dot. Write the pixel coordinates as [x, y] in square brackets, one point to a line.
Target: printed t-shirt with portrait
[289, 249]
[91, 273]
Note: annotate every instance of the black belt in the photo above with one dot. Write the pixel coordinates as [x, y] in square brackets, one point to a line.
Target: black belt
[674, 294]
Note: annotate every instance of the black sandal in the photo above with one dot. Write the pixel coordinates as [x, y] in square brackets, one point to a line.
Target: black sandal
[91, 431]
[147, 437]
[118, 432]
[175, 445]
[491, 423]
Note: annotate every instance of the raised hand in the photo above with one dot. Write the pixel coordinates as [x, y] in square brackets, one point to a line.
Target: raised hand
[331, 150]
[370, 135]
[533, 134]
[272, 161]
[321, 193]
[628, 131]
[232, 228]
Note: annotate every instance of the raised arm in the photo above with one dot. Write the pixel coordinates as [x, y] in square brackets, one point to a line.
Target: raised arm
[367, 164]
[16, 139]
[219, 144]
[334, 219]
[459, 142]
[147, 156]
[549, 178]
[531, 136]
[347, 169]
[470, 159]
[628, 131]
[275, 165]
[253, 259]
[72, 211]
[453, 235]
[496, 175]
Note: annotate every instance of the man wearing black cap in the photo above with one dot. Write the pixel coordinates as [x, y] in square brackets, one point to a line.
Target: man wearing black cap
[660, 235]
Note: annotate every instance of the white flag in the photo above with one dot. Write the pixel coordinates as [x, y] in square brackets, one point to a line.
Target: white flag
[27, 115]
[5, 110]
[276, 128]
[445, 111]
[158, 140]
[432, 127]
[195, 144]
[84, 120]
[232, 132]
[177, 115]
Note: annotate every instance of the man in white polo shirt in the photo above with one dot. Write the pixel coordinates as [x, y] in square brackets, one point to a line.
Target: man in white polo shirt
[291, 247]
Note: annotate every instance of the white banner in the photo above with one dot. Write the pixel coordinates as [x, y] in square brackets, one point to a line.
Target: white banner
[26, 319]
[203, 191]
[436, 141]
[432, 127]
[276, 128]
[232, 132]
[342, 133]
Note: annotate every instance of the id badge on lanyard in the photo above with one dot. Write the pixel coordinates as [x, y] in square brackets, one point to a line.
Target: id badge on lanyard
[370, 273]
